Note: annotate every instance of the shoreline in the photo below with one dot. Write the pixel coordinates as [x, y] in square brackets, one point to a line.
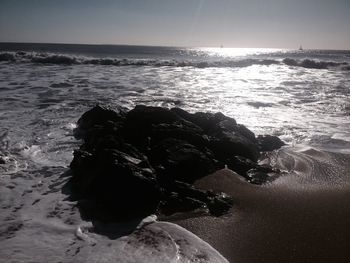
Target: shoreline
[263, 225]
[304, 200]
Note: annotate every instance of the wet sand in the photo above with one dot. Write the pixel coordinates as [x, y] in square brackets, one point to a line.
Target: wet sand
[303, 216]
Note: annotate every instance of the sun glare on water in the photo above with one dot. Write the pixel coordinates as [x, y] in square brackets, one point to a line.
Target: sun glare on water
[236, 52]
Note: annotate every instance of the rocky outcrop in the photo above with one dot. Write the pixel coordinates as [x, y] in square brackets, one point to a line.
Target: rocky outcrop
[134, 163]
[269, 143]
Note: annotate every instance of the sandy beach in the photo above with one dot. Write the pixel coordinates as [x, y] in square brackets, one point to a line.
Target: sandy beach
[300, 218]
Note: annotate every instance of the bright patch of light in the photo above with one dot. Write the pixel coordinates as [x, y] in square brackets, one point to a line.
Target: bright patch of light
[236, 52]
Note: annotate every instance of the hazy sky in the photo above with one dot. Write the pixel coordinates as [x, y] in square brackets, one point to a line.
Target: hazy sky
[233, 23]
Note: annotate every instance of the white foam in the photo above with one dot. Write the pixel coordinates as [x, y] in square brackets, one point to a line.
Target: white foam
[39, 224]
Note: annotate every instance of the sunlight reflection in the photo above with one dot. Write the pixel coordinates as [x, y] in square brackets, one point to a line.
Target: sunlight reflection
[236, 52]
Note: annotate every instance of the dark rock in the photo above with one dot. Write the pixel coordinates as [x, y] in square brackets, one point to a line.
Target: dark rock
[139, 123]
[220, 204]
[85, 168]
[190, 198]
[227, 144]
[143, 116]
[175, 203]
[182, 160]
[256, 176]
[228, 139]
[178, 130]
[246, 133]
[205, 120]
[269, 143]
[116, 180]
[240, 164]
[135, 163]
[185, 189]
[98, 118]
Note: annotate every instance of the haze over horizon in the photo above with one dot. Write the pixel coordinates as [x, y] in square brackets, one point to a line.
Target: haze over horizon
[317, 24]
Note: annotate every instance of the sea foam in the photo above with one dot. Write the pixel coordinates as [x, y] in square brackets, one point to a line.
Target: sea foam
[63, 59]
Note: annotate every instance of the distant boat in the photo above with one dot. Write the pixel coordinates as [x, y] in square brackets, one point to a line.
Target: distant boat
[221, 46]
[301, 48]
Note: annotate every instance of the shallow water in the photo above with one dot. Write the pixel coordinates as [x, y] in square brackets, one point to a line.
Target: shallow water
[40, 102]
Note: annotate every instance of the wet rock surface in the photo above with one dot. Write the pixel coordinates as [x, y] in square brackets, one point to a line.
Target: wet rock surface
[269, 143]
[143, 161]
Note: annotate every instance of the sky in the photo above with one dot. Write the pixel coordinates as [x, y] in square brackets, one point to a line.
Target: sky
[323, 24]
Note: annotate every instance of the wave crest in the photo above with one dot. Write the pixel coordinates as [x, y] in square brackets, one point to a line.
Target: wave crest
[55, 59]
[64, 59]
[308, 63]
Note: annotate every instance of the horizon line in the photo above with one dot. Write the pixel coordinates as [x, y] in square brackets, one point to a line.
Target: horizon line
[170, 46]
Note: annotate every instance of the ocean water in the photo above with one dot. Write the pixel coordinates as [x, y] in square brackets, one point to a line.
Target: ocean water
[300, 96]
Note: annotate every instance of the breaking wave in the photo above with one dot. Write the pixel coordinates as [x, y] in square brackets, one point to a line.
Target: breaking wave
[61, 59]
[308, 63]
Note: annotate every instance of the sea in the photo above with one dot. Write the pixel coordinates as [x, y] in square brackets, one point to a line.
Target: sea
[301, 96]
